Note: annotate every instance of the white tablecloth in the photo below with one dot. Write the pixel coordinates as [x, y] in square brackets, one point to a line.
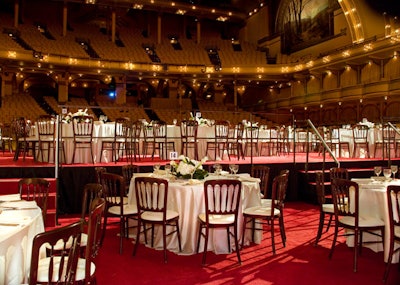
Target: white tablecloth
[17, 230]
[373, 203]
[204, 133]
[100, 131]
[188, 200]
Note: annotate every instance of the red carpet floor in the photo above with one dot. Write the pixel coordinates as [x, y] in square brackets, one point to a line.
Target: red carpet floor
[300, 262]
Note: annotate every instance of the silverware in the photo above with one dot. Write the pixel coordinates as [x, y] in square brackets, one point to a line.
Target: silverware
[9, 224]
[16, 208]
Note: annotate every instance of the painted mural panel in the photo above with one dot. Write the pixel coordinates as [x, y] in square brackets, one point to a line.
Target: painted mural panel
[307, 22]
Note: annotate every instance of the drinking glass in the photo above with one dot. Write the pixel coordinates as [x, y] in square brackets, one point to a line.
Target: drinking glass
[387, 172]
[218, 168]
[377, 170]
[394, 169]
[156, 167]
[234, 168]
[167, 169]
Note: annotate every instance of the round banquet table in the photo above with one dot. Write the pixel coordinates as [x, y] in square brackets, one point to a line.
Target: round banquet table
[187, 198]
[18, 227]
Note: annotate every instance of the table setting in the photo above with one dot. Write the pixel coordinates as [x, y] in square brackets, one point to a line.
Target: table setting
[20, 221]
[373, 203]
[186, 196]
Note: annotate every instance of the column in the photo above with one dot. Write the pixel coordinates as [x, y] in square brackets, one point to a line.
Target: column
[16, 13]
[63, 83]
[159, 29]
[198, 36]
[113, 19]
[120, 90]
[65, 20]
[235, 94]
[6, 84]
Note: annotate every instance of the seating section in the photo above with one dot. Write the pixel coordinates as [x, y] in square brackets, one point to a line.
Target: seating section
[129, 110]
[11, 108]
[94, 31]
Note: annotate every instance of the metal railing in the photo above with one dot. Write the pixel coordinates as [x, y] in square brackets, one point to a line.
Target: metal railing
[325, 149]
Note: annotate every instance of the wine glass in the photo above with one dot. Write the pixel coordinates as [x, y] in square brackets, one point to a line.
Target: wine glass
[156, 167]
[387, 172]
[394, 169]
[167, 169]
[218, 168]
[377, 170]
[234, 168]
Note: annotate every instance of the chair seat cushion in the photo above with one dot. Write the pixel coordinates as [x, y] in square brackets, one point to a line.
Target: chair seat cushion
[60, 244]
[261, 211]
[266, 202]
[397, 231]
[328, 208]
[218, 219]
[128, 210]
[363, 222]
[158, 216]
[118, 199]
[44, 266]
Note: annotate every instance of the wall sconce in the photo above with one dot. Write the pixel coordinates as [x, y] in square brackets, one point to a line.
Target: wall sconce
[340, 103]
[305, 108]
[361, 100]
[321, 106]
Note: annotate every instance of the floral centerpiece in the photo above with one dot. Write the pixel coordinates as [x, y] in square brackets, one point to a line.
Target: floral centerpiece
[200, 121]
[67, 118]
[188, 168]
[248, 124]
[148, 125]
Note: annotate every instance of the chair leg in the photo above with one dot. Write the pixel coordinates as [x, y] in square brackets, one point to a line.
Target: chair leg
[334, 241]
[329, 223]
[205, 246]
[320, 226]
[138, 237]
[283, 233]
[121, 233]
[355, 250]
[179, 235]
[244, 230]
[165, 242]
[103, 234]
[235, 231]
[198, 238]
[389, 262]
[228, 233]
[273, 236]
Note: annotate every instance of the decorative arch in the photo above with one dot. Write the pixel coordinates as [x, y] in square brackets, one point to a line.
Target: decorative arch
[371, 112]
[38, 82]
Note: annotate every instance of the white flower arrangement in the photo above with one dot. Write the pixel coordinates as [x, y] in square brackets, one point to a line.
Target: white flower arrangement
[248, 124]
[200, 121]
[188, 168]
[69, 116]
[147, 124]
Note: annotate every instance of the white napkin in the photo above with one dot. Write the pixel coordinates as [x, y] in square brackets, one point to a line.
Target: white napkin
[10, 197]
[19, 204]
[250, 179]
[362, 180]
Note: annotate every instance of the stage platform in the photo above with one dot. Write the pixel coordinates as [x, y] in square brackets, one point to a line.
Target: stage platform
[71, 178]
